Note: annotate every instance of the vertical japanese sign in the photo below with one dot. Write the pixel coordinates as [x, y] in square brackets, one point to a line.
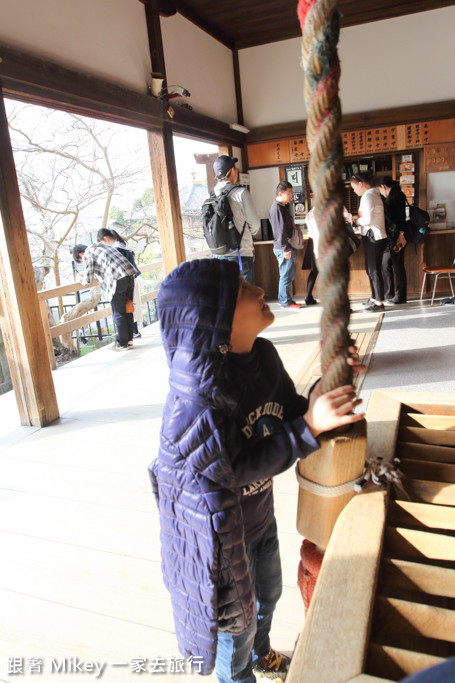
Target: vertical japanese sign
[296, 176]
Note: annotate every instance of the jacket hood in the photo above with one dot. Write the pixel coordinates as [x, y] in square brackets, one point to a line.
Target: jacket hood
[196, 304]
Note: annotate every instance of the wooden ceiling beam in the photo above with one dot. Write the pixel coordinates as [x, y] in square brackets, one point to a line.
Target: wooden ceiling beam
[28, 78]
[380, 117]
[240, 25]
[354, 12]
[196, 18]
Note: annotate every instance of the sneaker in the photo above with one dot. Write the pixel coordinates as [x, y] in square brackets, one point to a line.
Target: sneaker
[293, 304]
[130, 344]
[273, 666]
[395, 301]
[367, 303]
[373, 308]
[447, 300]
[122, 347]
[310, 301]
[136, 335]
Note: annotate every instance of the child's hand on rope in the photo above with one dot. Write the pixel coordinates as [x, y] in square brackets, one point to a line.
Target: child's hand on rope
[333, 409]
[354, 360]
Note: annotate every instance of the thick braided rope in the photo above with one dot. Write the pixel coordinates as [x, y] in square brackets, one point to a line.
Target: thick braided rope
[328, 491]
[308, 570]
[319, 21]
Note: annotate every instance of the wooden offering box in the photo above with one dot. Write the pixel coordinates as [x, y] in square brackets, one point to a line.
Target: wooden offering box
[384, 603]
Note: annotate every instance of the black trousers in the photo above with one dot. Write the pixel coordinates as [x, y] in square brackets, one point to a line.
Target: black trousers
[123, 321]
[393, 268]
[373, 266]
[309, 263]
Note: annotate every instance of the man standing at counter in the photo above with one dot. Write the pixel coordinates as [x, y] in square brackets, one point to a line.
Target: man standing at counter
[244, 214]
[283, 227]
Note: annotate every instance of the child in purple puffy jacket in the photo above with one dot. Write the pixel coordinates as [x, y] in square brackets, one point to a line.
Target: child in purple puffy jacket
[232, 421]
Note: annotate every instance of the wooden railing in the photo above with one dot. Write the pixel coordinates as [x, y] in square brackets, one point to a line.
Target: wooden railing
[52, 331]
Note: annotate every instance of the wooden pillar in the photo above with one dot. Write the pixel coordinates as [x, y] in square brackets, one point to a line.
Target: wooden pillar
[164, 174]
[161, 146]
[20, 316]
[238, 86]
[239, 103]
[152, 16]
[207, 160]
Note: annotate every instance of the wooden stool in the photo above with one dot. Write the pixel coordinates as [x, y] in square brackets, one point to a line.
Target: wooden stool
[437, 272]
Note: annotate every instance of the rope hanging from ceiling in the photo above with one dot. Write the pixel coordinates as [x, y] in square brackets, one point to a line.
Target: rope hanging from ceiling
[319, 21]
[320, 24]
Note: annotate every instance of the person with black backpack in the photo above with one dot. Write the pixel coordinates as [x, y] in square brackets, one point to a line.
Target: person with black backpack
[230, 227]
[394, 201]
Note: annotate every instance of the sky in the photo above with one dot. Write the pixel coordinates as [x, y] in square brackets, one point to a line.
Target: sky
[128, 148]
[57, 188]
[184, 150]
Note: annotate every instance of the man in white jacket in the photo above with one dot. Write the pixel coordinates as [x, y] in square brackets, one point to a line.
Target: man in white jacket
[243, 211]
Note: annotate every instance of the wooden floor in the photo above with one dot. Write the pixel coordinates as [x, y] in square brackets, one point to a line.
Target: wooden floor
[80, 571]
[312, 368]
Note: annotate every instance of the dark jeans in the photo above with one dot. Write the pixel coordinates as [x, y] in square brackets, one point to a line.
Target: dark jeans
[123, 321]
[393, 266]
[246, 265]
[236, 655]
[373, 266]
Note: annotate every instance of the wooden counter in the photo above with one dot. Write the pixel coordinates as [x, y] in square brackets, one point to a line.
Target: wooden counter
[437, 252]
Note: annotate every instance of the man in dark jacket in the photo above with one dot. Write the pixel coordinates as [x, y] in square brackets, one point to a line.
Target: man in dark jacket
[232, 421]
[283, 227]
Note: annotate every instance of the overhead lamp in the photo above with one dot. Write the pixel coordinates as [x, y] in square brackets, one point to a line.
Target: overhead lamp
[239, 128]
[156, 84]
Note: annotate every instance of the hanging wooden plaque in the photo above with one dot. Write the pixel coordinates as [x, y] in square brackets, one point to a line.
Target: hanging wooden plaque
[416, 134]
[353, 142]
[439, 157]
[268, 153]
[299, 150]
[381, 139]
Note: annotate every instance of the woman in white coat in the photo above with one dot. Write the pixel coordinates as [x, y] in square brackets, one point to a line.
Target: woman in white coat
[372, 223]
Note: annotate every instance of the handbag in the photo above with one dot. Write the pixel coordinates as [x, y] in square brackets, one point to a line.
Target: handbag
[297, 241]
[353, 240]
[370, 236]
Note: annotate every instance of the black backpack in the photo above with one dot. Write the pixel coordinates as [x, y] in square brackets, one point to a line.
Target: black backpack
[417, 229]
[217, 221]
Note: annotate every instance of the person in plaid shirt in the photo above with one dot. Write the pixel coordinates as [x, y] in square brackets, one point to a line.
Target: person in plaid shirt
[116, 277]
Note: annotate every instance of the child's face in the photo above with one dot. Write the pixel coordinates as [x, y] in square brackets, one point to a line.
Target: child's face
[251, 316]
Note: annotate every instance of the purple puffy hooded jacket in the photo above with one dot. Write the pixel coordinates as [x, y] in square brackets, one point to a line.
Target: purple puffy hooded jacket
[204, 564]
